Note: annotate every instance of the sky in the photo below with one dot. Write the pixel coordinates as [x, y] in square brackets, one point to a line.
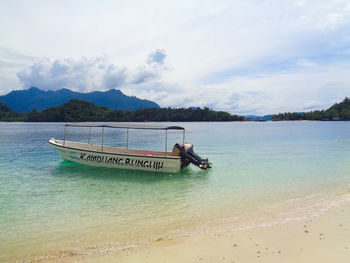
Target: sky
[245, 57]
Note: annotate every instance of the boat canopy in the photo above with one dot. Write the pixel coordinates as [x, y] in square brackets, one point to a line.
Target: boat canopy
[125, 126]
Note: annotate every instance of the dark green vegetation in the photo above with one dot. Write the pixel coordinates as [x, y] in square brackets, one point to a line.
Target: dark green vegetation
[339, 111]
[80, 110]
[34, 98]
[10, 115]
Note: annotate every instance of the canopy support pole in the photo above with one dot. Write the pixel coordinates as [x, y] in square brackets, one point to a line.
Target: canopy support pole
[166, 141]
[183, 137]
[102, 137]
[89, 134]
[127, 138]
[64, 139]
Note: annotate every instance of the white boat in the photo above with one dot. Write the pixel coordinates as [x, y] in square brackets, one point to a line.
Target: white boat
[115, 157]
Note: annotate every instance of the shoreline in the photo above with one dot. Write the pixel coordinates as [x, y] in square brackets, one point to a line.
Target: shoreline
[324, 239]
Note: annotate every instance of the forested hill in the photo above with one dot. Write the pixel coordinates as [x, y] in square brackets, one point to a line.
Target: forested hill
[8, 114]
[76, 110]
[339, 111]
[37, 99]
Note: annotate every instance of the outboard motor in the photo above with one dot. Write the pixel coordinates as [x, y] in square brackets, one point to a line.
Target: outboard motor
[189, 156]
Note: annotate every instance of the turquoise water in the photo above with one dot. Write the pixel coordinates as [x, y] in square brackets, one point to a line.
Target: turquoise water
[262, 173]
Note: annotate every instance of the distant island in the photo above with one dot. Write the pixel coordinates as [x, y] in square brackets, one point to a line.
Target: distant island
[37, 99]
[338, 112]
[76, 110]
[31, 106]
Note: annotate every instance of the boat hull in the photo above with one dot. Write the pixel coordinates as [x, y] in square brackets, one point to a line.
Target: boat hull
[122, 161]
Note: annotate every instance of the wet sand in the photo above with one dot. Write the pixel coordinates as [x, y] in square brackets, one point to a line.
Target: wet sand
[322, 239]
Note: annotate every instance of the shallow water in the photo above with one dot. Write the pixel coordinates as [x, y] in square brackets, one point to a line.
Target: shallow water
[262, 173]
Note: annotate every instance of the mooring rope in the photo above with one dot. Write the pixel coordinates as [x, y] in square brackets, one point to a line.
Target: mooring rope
[27, 152]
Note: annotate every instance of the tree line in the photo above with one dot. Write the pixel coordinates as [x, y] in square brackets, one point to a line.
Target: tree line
[339, 111]
[76, 110]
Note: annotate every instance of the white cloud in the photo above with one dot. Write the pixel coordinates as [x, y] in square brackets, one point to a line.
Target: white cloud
[298, 89]
[114, 77]
[10, 62]
[88, 74]
[158, 56]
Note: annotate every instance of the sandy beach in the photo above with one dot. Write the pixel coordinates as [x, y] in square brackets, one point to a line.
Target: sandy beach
[322, 239]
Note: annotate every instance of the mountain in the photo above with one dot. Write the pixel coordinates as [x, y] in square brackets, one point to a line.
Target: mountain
[34, 98]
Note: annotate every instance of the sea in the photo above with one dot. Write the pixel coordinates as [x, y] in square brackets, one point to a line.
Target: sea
[263, 173]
